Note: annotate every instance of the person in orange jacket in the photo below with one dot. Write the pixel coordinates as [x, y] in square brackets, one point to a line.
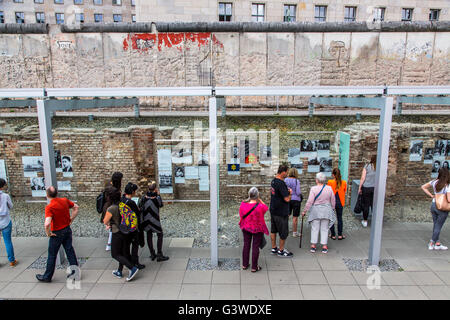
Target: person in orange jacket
[339, 187]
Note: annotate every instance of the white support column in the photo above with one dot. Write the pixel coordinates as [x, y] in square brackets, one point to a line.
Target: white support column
[213, 179]
[380, 181]
[48, 153]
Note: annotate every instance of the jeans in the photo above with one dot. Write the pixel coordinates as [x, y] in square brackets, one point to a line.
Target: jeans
[120, 250]
[8, 243]
[367, 201]
[63, 237]
[251, 240]
[439, 218]
[159, 242]
[339, 221]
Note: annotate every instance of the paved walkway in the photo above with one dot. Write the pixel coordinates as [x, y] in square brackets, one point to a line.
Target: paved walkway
[425, 275]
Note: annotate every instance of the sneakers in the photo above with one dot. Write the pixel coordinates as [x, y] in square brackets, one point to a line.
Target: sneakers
[440, 246]
[274, 250]
[132, 274]
[108, 247]
[13, 264]
[295, 234]
[285, 253]
[117, 274]
[364, 223]
[431, 245]
[313, 249]
[161, 257]
[140, 266]
[324, 249]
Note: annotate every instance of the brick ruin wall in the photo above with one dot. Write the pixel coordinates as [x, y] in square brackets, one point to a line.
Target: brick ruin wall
[64, 60]
[97, 153]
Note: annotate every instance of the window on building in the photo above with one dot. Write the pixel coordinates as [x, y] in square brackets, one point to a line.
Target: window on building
[117, 2]
[289, 12]
[378, 14]
[117, 17]
[59, 18]
[133, 3]
[434, 14]
[225, 11]
[320, 13]
[38, 1]
[40, 17]
[258, 11]
[2, 17]
[98, 2]
[349, 14]
[18, 1]
[77, 1]
[98, 17]
[20, 17]
[79, 17]
[133, 18]
[59, 1]
[407, 14]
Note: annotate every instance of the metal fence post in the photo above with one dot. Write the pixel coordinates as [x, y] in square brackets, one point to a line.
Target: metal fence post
[213, 177]
[380, 181]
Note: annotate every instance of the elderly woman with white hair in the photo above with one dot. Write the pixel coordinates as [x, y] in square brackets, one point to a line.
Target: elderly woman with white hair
[253, 227]
[321, 204]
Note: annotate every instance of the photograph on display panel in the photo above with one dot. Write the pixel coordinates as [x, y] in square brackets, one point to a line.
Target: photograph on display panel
[313, 165]
[58, 161]
[3, 170]
[415, 150]
[37, 187]
[265, 155]
[64, 185]
[67, 170]
[326, 166]
[309, 148]
[179, 175]
[182, 156]
[323, 149]
[32, 165]
[165, 182]
[440, 148]
[428, 156]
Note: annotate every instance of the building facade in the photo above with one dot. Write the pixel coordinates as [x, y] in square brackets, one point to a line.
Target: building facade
[67, 11]
[107, 11]
[286, 10]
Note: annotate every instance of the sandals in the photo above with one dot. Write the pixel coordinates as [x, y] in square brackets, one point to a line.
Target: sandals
[245, 268]
[341, 237]
[333, 237]
[257, 269]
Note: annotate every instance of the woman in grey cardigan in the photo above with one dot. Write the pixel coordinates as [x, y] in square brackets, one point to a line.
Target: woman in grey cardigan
[321, 203]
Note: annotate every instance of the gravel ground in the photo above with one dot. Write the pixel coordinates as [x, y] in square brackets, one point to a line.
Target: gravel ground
[361, 265]
[227, 264]
[184, 220]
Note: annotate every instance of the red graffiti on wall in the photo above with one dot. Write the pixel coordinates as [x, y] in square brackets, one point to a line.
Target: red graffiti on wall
[144, 42]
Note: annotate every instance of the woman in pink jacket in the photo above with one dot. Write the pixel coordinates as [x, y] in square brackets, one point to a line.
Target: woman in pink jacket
[253, 227]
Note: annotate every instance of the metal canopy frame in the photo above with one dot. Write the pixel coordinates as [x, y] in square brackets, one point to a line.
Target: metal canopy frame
[327, 95]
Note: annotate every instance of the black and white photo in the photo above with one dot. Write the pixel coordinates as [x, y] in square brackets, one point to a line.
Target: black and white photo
[435, 168]
[67, 166]
[415, 150]
[64, 185]
[32, 165]
[179, 175]
[446, 164]
[37, 187]
[313, 165]
[265, 155]
[203, 160]
[326, 166]
[428, 156]
[182, 156]
[294, 155]
[58, 161]
[309, 148]
[440, 148]
[298, 166]
[323, 149]
[165, 182]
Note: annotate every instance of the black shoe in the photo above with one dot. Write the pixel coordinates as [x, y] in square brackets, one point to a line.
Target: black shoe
[140, 266]
[161, 257]
[152, 256]
[40, 277]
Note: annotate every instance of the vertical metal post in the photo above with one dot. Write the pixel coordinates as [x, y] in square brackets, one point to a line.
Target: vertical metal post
[48, 153]
[311, 109]
[136, 111]
[399, 105]
[213, 177]
[380, 181]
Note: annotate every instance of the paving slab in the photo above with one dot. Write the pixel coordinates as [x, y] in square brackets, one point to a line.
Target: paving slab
[169, 277]
[426, 278]
[255, 292]
[197, 277]
[282, 277]
[97, 263]
[317, 292]
[397, 278]
[347, 292]
[45, 290]
[332, 264]
[444, 276]
[16, 290]
[286, 292]
[134, 290]
[311, 277]
[195, 292]
[164, 291]
[409, 293]
[226, 277]
[339, 278]
[436, 292]
[306, 264]
[225, 292]
[278, 263]
[75, 294]
[254, 278]
[412, 264]
[104, 291]
[181, 242]
[437, 264]
[174, 264]
[361, 278]
[382, 293]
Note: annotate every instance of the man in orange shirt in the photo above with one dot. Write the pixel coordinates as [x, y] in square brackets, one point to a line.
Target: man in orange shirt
[57, 227]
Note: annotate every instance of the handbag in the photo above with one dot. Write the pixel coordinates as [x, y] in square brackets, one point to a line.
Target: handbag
[358, 206]
[441, 202]
[263, 242]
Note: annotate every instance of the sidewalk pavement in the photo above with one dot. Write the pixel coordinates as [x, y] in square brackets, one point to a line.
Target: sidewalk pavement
[424, 275]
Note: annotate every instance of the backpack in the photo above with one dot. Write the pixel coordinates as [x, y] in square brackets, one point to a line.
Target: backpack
[129, 219]
[100, 202]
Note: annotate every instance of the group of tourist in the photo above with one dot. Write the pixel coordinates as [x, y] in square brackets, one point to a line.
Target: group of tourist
[128, 221]
[324, 207]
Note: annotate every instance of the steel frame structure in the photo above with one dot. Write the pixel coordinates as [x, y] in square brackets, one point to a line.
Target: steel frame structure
[51, 100]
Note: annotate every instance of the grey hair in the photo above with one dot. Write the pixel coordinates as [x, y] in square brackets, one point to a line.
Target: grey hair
[321, 178]
[253, 194]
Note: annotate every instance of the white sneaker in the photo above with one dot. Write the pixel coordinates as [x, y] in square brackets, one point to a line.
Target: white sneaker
[108, 247]
[440, 247]
[364, 223]
[431, 246]
[295, 234]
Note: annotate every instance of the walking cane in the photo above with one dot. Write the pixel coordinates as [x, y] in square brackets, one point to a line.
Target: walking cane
[301, 232]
